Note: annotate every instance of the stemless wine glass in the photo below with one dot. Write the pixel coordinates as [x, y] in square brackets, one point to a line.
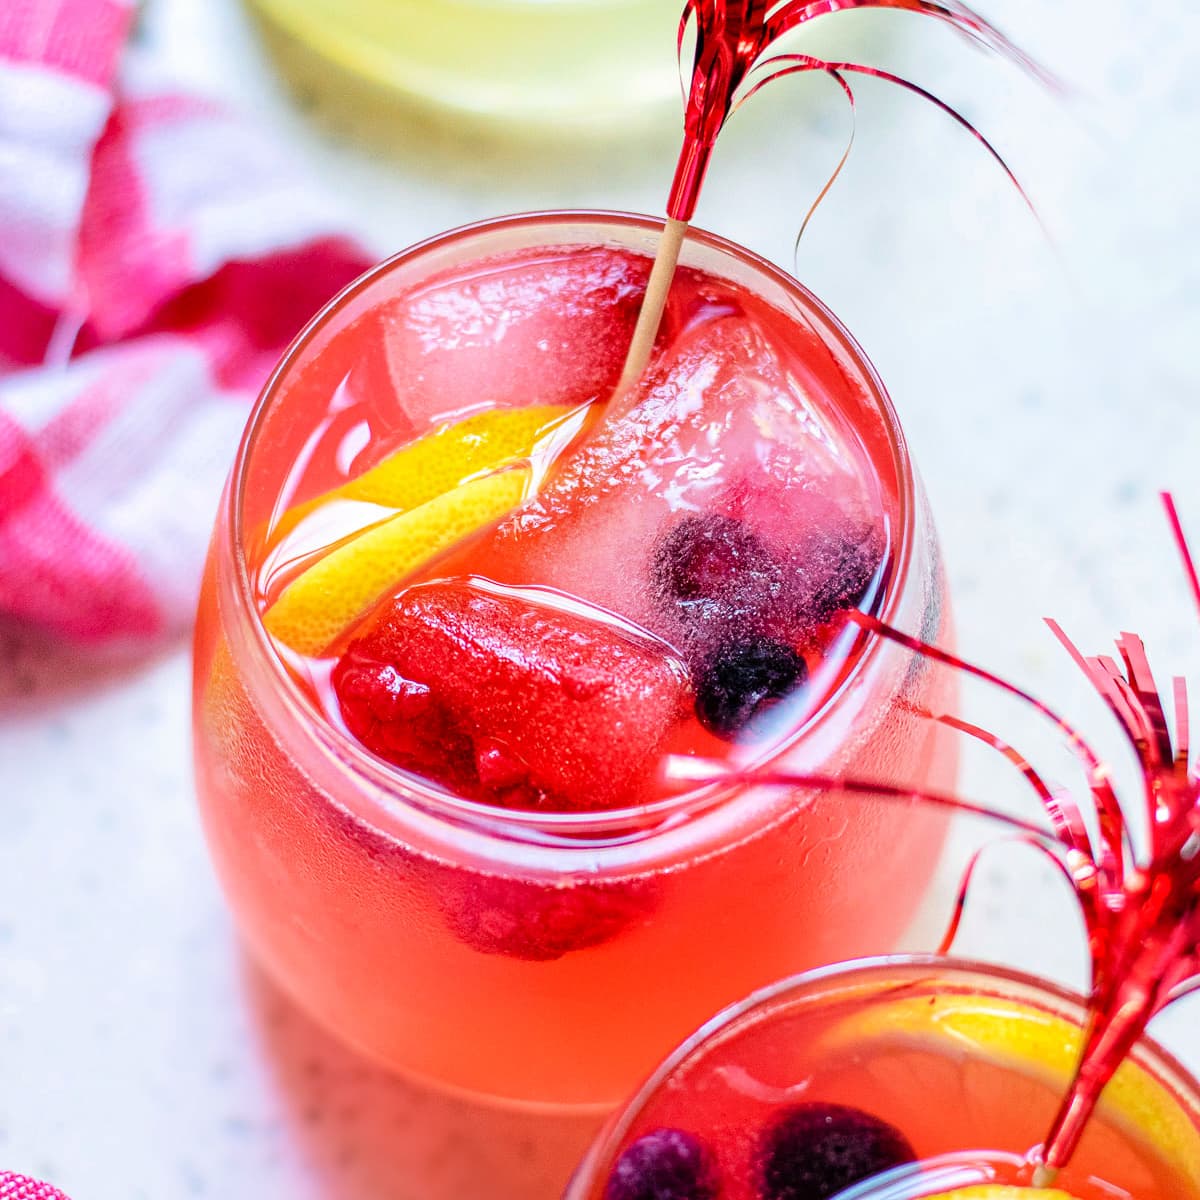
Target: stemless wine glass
[549, 959]
[894, 1078]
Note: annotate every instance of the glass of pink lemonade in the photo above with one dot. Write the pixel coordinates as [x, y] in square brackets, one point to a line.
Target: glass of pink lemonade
[894, 1079]
[473, 656]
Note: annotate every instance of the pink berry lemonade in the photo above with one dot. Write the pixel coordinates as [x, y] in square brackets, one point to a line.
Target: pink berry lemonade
[483, 670]
[898, 1079]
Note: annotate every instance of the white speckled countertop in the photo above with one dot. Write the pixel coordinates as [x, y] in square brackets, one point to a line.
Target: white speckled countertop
[1048, 390]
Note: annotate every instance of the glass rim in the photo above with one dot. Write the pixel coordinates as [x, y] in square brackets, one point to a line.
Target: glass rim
[559, 828]
[1165, 1065]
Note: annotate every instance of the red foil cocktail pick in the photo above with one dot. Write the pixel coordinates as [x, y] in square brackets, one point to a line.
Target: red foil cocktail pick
[1141, 911]
[1144, 926]
[731, 61]
[732, 41]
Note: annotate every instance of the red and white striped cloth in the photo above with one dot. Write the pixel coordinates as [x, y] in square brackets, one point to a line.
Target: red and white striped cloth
[21, 1187]
[156, 255]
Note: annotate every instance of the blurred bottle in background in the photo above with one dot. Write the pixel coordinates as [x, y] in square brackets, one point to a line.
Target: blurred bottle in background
[555, 63]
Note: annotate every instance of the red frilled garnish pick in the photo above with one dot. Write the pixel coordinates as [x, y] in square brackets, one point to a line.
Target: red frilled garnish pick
[1142, 913]
[731, 62]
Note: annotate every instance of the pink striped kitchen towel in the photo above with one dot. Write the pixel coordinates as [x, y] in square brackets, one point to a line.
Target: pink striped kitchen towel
[156, 255]
[21, 1187]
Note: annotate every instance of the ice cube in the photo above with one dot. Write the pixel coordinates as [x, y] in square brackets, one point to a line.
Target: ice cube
[719, 426]
[544, 327]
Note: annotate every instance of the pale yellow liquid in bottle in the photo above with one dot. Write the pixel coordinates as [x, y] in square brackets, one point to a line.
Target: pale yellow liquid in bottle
[539, 62]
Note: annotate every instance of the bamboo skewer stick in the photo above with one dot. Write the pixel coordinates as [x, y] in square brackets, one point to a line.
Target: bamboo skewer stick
[1044, 1176]
[650, 314]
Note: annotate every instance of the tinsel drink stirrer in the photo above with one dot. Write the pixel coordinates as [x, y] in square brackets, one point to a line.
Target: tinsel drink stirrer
[730, 63]
[1141, 910]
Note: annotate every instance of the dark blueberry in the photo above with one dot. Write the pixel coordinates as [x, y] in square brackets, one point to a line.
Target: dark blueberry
[735, 681]
[813, 1151]
[716, 576]
[830, 572]
[667, 1164]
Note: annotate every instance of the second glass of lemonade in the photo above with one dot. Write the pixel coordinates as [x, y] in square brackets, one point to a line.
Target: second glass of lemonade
[473, 655]
[895, 1079]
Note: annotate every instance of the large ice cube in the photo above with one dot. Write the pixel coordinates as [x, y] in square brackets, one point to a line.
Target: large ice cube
[720, 426]
[545, 327]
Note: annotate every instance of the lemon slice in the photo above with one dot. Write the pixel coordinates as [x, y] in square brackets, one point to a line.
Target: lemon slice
[1040, 1045]
[999, 1191]
[440, 460]
[337, 591]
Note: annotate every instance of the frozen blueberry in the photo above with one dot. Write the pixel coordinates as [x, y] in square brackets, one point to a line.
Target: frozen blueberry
[716, 576]
[830, 572]
[667, 1164]
[707, 556]
[736, 680]
[814, 1151]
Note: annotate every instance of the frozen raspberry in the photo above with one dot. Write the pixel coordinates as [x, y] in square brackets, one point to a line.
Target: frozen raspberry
[717, 577]
[539, 921]
[814, 1151]
[509, 701]
[667, 1164]
[740, 679]
[399, 719]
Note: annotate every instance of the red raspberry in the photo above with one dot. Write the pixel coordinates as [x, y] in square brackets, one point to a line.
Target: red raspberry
[540, 921]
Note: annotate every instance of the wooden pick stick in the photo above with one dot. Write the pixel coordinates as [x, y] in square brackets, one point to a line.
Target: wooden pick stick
[650, 314]
[1044, 1176]
[666, 258]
